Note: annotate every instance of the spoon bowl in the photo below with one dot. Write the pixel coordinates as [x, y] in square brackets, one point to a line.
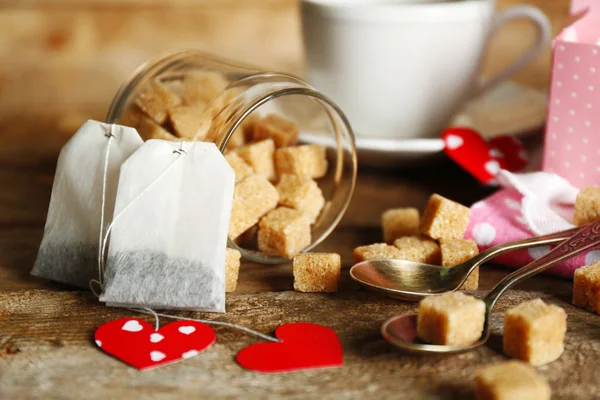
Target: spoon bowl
[401, 331]
[404, 280]
[411, 281]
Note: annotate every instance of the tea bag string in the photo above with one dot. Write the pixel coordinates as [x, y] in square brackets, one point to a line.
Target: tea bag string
[110, 137]
[104, 243]
[156, 315]
[104, 237]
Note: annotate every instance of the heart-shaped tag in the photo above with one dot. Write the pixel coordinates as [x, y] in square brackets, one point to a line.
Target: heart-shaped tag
[136, 343]
[481, 159]
[302, 346]
[511, 153]
[470, 151]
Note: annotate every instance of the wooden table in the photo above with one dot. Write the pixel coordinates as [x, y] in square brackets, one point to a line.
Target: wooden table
[46, 346]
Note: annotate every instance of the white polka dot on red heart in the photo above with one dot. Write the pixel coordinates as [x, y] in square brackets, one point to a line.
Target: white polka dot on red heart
[186, 330]
[157, 356]
[511, 203]
[493, 167]
[592, 257]
[454, 142]
[484, 233]
[189, 354]
[537, 252]
[496, 153]
[132, 326]
[523, 155]
[98, 343]
[156, 337]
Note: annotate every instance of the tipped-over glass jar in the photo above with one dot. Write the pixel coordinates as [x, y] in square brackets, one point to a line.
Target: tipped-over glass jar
[277, 124]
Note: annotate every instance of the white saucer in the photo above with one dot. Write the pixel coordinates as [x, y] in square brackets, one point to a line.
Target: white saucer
[509, 109]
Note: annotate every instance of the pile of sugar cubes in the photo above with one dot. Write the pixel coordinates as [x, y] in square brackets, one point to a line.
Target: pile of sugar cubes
[534, 333]
[276, 197]
[437, 238]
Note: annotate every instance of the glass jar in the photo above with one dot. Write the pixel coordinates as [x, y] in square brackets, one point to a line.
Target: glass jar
[246, 92]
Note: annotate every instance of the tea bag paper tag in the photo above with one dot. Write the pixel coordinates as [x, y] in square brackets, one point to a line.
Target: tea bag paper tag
[69, 249]
[169, 232]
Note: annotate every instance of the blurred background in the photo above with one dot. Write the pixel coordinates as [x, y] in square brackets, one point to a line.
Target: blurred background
[67, 58]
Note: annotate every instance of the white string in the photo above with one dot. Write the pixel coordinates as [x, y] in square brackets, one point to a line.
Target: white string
[103, 205]
[102, 211]
[156, 315]
[107, 234]
[103, 243]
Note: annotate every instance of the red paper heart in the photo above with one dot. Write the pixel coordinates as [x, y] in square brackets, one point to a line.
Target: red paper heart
[511, 153]
[302, 346]
[136, 343]
[470, 151]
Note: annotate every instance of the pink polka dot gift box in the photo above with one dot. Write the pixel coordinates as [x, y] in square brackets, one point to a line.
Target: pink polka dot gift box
[530, 204]
[572, 143]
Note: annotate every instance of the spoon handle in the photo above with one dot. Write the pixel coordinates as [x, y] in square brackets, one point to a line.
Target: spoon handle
[495, 251]
[585, 239]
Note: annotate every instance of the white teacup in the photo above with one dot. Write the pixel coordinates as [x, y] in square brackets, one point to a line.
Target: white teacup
[399, 68]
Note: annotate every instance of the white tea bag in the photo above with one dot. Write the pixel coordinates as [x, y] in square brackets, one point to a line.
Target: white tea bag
[169, 232]
[87, 171]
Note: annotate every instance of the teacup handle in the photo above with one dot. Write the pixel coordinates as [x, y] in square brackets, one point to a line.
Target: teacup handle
[544, 35]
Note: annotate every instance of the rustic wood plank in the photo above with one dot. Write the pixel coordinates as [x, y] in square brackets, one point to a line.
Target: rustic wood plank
[47, 351]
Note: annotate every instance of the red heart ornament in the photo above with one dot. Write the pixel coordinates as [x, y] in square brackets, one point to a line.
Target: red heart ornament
[511, 153]
[136, 343]
[472, 152]
[302, 346]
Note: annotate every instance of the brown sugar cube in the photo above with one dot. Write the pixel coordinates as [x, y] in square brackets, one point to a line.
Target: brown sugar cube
[586, 287]
[418, 248]
[247, 237]
[317, 272]
[398, 222]
[302, 194]
[510, 380]
[284, 232]
[190, 123]
[259, 156]
[307, 160]
[457, 251]
[376, 251]
[248, 125]
[444, 218]
[232, 269]
[202, 87]
[252, 198]
[155, 101]
[283, 132]
[132, 117]
[148, 129]
[241, 168]
[587, 206]
[451, 318]
[534, 332]
[237, 139]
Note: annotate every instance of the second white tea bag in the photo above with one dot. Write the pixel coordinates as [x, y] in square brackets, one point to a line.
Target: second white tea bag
[169, 232]
[82, 201]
